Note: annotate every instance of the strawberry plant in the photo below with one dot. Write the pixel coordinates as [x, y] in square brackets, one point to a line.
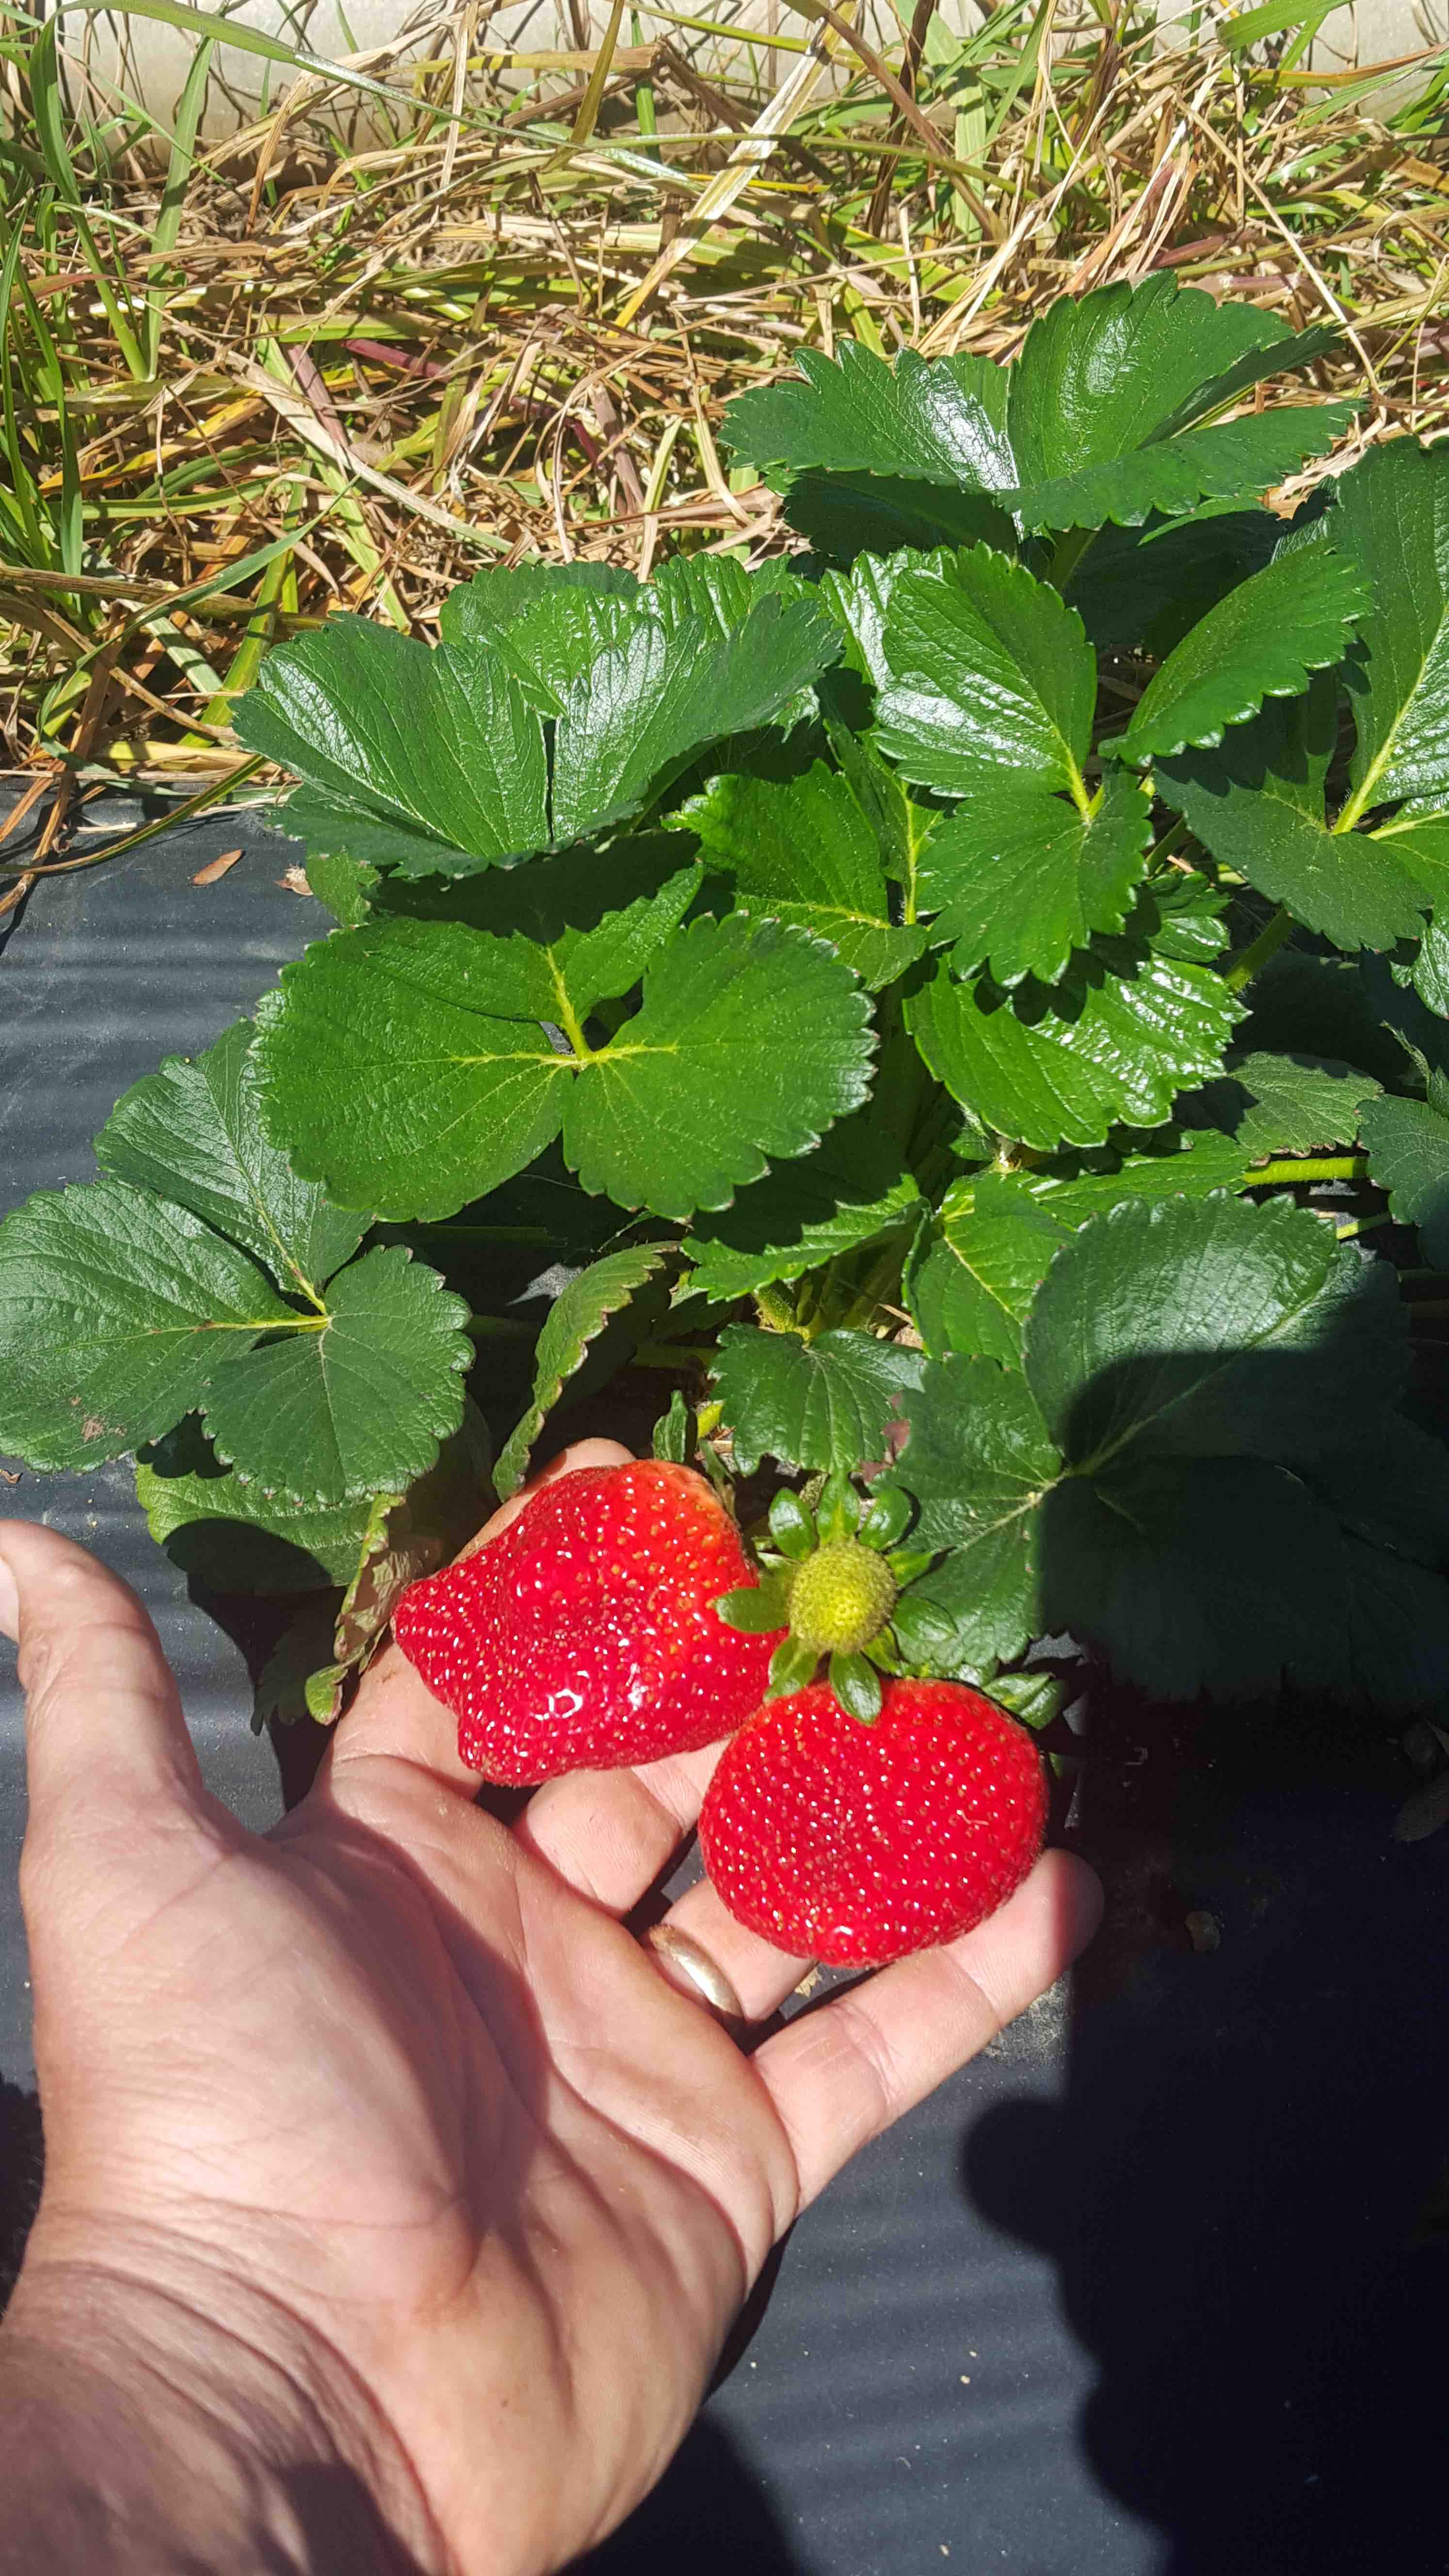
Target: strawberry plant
[966, 999]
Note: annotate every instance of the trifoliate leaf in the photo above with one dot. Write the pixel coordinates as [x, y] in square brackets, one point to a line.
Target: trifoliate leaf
[1019, 877]
[231, 1537]
[384, 1063]
[1210, 1329]
[1256, 803]
[987, 664]
[576, 1318]
[1391, 519]
[632, 721]
[191, 1133]
[822, 1404]
[851, 1189]
[1105, 392]
[941, 423]
[802, 850]
[1283, 1104]
[1100, 375]
[1408, 1150]
[356, 1404]
[435, 753]
[1113, 1042]
[118, 1312]
[1262, 641]
[751, 1041]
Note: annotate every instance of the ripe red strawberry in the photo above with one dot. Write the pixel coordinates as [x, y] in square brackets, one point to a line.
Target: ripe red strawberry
[584, 1635]
[854, 1844]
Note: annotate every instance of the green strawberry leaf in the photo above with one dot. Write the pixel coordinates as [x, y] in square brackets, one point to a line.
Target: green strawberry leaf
[549, 631]
[1391, 1487]
[1257, 804]
[718, 589]
[971, 1286]
[1123, 1031]
[1107, 389]
[379, 1072]
[558, 937]
[118, 1314]
[342, 884]
[931, 424]
[1018, 877]
[859, 599]
[575, 1320]
[851, 1189]
[1147, 1573]
[802, 850]
[632, 720]
[232, 1538]
[978, 1461]
[1283, 1104]
[1304, 1338]
[299, 1671]
[430, 760]
[821, 1404]
[1262, 641]
[191, 1133]
[1100, 375]
[1140, 589]
[847, 515]
[987, 665]
[1391, 520]
[751, 1041]
[1408, 1150]
[480, 611]
[354, 1402]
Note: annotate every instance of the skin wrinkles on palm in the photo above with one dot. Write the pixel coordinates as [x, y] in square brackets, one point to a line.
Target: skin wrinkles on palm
[403, 2069]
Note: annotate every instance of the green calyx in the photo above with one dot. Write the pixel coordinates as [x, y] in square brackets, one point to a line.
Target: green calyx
[840, 1597]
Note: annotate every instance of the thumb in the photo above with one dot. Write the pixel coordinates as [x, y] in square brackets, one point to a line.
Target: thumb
[103, 1716]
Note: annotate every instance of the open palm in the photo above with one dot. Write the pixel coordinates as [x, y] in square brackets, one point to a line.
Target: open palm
[401, 2073]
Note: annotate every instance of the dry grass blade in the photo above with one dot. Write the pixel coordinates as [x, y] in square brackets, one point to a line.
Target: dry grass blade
[246, 384]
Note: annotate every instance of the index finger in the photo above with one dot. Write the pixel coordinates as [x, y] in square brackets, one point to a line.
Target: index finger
[394, 1712]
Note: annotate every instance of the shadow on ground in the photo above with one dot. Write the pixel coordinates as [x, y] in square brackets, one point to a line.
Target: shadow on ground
[1243, 2186]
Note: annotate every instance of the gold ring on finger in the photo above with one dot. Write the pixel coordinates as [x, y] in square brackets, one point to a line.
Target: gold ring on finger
[691, 1970]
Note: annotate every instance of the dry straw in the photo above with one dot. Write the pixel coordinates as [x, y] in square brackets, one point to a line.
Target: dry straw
[248, 384]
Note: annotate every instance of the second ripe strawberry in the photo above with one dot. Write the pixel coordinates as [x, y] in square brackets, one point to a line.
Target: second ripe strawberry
[855, 1844]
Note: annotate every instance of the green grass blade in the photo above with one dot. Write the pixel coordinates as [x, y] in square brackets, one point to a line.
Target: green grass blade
[173, 196]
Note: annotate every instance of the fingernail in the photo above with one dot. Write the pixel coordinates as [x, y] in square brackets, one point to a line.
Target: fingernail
[9, 1602]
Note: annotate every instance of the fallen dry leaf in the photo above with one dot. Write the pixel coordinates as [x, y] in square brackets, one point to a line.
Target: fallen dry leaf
[295, 881]
[215, 868]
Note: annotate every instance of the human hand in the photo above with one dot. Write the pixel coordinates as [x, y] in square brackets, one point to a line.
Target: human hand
[389, 2183]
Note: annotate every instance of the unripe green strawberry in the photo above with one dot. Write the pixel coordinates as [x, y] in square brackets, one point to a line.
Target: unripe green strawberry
[840, 1597]
[856, 1844]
